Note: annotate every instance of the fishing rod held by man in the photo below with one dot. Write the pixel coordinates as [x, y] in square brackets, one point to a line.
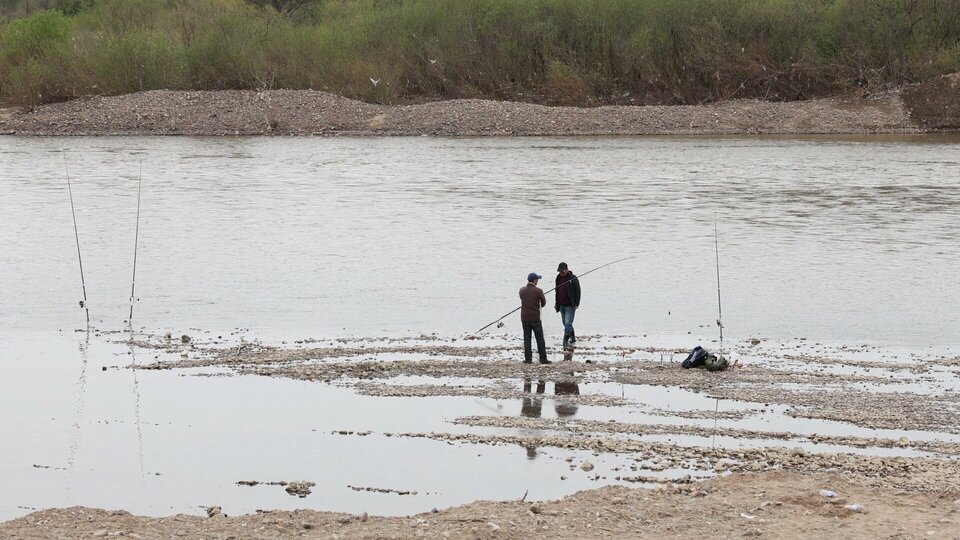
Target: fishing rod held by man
[512, 311]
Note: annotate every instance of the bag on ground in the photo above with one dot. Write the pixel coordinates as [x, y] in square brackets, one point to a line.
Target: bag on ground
[695, 358]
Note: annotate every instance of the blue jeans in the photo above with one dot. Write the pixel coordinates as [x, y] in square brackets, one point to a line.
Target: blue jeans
[566, 315]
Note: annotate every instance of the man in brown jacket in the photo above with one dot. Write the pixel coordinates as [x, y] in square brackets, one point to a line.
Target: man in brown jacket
[531, 300]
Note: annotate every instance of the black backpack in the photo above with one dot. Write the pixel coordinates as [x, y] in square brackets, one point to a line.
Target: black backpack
[696, 358]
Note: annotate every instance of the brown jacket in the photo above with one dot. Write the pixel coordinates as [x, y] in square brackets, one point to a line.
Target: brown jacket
[531, 300]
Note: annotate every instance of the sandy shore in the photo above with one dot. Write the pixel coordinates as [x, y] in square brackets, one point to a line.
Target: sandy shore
[769, 505]
[705, 472]
[299, 112]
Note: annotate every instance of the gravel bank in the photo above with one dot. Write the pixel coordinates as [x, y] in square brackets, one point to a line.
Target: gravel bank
[300, 112]
[739, 477]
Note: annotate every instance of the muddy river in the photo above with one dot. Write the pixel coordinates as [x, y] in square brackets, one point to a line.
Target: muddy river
[822, 243]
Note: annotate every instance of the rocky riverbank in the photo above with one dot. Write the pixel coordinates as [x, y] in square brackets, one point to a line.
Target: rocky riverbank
[297, 112]
[748, 451]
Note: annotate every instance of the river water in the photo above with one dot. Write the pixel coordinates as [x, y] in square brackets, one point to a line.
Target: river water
[835, 240]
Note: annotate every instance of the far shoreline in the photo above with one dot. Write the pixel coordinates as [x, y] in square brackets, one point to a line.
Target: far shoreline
[314, 113]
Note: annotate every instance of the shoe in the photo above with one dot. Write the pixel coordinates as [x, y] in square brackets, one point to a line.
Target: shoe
[545, 362]
[573, 338]
[566, 338]
[528, 361]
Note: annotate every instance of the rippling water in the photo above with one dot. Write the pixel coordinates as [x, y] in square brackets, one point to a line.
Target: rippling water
[834, 239]
[843, 240]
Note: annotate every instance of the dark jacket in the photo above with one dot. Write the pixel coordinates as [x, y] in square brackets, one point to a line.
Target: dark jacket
[572, 283]
[531, 300]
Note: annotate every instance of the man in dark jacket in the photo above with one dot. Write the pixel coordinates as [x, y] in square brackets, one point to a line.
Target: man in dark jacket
[531, 300]
[567, 301]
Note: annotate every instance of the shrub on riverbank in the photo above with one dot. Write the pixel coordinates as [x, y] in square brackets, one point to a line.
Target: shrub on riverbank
[552, 51]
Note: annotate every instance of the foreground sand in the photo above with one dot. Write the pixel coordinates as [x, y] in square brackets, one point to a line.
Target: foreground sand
[769, 505]
[759, 482]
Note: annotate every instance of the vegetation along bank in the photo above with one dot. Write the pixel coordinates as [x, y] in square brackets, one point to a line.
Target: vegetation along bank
[553, 52]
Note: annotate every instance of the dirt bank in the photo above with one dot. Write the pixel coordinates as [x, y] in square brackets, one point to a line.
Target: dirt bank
[769, 505]
[935, 104]
[296, 112]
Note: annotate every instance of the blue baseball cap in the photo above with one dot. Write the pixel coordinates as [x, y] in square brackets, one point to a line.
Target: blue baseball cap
[533, 275]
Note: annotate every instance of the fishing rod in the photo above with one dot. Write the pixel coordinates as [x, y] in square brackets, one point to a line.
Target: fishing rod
[553, 289]
[136, 241]
[76, 235]
[716, 247]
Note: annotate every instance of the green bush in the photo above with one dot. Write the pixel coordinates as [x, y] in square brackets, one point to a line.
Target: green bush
[34, 37]
[32, 53]
[552, 51]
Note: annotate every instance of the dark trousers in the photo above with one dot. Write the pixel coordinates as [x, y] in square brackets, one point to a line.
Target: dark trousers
[537, 328]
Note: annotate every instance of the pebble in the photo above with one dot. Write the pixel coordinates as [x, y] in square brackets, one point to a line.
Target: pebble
[214, 511]
[587, 466]
[299, 488]
[100, 533]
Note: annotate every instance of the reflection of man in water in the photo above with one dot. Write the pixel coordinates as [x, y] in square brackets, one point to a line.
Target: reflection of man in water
[566, 387]
[532, 407]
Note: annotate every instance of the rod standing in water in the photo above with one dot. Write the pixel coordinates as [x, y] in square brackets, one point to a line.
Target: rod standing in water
[566, 302]
[531, 300]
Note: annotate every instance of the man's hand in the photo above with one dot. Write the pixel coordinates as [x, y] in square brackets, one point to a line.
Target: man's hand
[575, 307]
[556, 307]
